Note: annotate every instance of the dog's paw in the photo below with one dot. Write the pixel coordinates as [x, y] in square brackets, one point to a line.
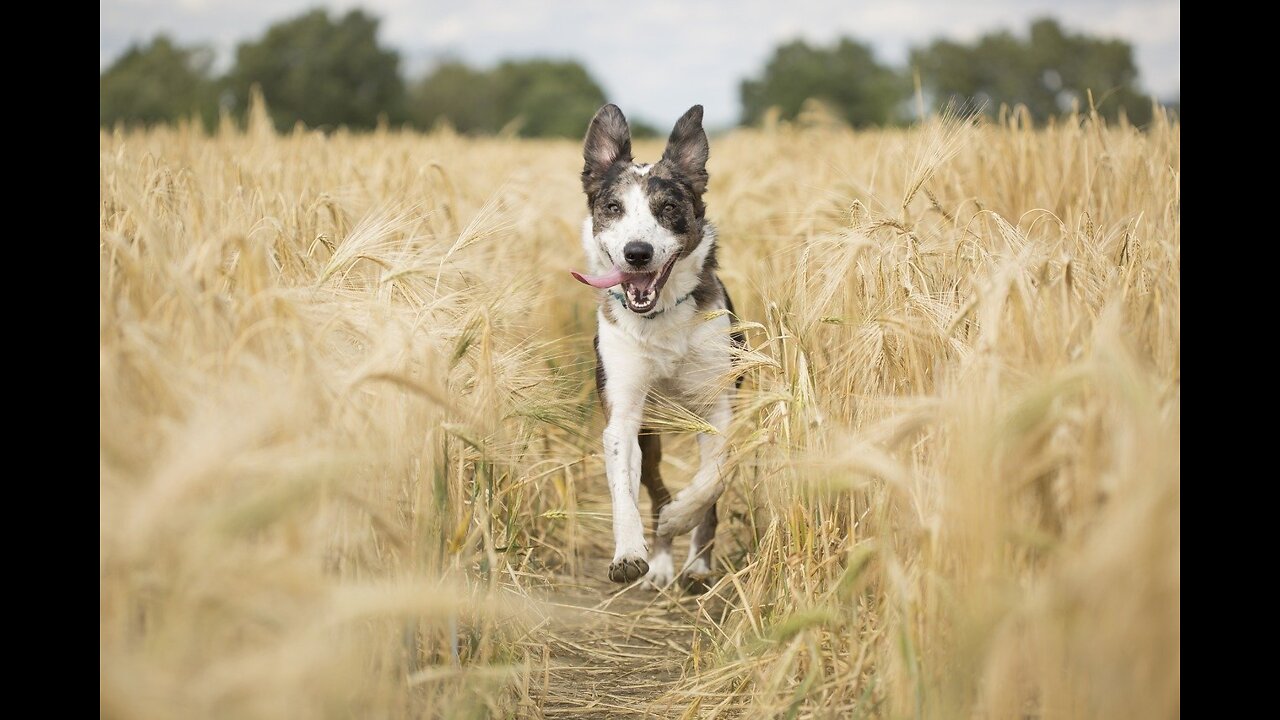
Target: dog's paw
[628, 568]
[696, 577]
[696, 583]
[661, 571]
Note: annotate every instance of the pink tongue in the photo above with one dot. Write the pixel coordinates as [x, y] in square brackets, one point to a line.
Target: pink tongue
[607, 280]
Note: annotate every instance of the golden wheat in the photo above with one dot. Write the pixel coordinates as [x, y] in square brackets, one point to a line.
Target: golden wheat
[348, 431]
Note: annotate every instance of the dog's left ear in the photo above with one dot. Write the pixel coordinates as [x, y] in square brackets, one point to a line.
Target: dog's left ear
[687, 149]
[608, 141]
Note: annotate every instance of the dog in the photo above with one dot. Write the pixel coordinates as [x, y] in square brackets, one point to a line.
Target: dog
[652, 254]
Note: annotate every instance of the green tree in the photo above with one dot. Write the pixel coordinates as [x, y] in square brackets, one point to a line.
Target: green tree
[158, 82]
[458, 94]
[846, 77]
[551, 98]
[1047, 72]
[324, 72]
[544, 98]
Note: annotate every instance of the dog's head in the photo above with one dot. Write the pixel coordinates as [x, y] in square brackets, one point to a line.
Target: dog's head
[644, 217]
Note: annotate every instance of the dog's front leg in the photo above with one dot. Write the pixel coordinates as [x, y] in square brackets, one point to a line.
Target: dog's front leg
[622, 464]
[624, 392]
[689, 506]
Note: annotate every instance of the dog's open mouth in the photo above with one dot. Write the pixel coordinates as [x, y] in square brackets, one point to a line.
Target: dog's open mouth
[639, 290]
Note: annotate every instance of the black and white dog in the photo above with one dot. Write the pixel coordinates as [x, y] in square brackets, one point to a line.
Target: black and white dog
[653, 254]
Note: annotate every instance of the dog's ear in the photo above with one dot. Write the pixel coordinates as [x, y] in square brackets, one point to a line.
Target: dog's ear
[687, 150]
[608, 141]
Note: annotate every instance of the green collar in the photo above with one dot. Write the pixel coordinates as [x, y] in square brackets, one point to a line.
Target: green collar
[653, 314]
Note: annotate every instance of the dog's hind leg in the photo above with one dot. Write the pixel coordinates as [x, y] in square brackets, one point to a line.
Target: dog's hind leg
[661, 565]
[696, 574]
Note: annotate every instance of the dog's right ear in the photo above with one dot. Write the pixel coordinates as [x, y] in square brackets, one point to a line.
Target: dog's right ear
[687, 149]
[608, 141]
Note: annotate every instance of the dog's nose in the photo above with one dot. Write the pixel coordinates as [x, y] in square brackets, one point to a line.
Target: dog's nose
[638, 254]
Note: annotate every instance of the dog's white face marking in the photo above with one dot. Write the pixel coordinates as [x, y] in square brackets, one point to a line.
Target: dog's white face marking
[642, 169]
[637, 223]
[684, 278]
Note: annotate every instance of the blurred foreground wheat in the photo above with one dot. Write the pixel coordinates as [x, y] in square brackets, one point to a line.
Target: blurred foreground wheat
[348, 430]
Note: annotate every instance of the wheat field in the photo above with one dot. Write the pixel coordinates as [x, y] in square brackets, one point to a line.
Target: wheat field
[349, 437]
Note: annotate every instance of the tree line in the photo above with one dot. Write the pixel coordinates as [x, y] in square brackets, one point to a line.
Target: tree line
[327, 72]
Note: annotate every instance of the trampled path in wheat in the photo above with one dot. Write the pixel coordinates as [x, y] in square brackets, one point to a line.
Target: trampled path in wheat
[609, 650]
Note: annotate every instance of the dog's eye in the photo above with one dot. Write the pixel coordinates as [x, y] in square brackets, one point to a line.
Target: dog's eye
[669, 209]
[613, 208]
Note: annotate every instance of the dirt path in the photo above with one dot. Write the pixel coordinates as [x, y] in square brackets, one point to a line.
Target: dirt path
[609, 650]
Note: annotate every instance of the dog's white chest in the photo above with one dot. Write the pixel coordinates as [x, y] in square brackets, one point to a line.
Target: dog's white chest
[677, 355]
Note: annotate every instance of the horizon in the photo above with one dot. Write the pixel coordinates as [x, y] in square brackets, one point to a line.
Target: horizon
[711, 50]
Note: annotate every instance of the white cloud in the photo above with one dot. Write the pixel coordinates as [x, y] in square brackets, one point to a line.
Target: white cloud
[657, 58]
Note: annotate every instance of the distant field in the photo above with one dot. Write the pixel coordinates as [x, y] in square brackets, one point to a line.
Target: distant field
[349, 439]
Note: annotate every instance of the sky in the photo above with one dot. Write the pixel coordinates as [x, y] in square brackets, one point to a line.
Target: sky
[655, 58]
